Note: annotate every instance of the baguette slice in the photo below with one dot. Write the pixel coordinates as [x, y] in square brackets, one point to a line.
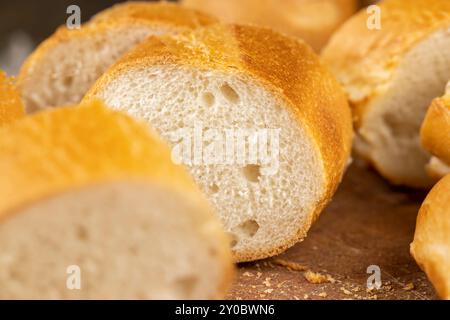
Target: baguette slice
[312, 20]
[431, 245]
[11, 107]
[391, 76]
[435, 135]
[242, 78]
[64, 66]
[90, 187]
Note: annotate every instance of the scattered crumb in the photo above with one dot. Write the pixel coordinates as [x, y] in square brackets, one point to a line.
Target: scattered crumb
[258, 275]
[268, 291]
[266, 282]
[409, 287]
[317, 278]
[293, 266]
[296, 298]
[323, 294]
[262, 295]
[356, 289]
[238, 298]
[305, 296]
[247, 274]
[345, 291]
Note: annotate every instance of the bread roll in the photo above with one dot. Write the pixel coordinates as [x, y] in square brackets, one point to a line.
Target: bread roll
[89, 188]
[435, 135]
[63, 67]
[312, 20]
[11, 107]
[431, 245]
[391, 75]
[230, 79]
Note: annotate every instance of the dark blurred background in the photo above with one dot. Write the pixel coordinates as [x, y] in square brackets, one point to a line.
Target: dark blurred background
[25, 23]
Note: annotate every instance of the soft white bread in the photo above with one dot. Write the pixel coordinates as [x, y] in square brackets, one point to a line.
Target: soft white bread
[431, 245]
[312, 20]
[61, 70]
[391, 76]
[243, 78]
[435, 135]
[90, 187]
[11, 107]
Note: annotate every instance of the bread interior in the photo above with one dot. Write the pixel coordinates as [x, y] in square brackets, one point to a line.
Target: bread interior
[265, 205]
[131, 240]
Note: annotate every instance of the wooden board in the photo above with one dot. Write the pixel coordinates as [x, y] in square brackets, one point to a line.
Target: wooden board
[367, 223]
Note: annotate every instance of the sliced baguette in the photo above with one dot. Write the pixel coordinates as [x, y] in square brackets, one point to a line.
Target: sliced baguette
[243, 77]
[11, 107]
[435, 135]
[431, 245]
[63, 67]
[312, 20]
[91, 188]
[391, 76]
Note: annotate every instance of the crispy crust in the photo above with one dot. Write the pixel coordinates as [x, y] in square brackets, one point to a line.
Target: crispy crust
[435, 131]
[164, 16]
[66, 148]
[365, 60]
[312, 20]
[11, 106]
[285, 66]
[431, 245]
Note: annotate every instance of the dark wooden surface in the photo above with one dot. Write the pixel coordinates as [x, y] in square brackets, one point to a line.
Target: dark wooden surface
[367, 223]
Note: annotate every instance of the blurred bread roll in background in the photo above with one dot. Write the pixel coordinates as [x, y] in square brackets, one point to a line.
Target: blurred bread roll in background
[391, 75]
[312, 20]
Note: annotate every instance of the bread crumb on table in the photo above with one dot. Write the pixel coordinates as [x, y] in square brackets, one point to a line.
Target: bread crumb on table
[318, 278]
[409, 287]
[293, 266]
[323, 294]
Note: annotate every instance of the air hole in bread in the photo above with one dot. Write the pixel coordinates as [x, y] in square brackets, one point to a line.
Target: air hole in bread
[82, 233]
[68, 80]
[233, 239]
[208, 99]
[214, 188]
[249, 227]
[229, 93]
[186, 285]
[252, 172]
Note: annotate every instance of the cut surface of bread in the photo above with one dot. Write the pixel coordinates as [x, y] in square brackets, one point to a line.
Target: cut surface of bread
[63, 67]
[93, 208]
[391, 76]
[312, 20]
[431, 245]
[230, 78]
[435, 134]
[11, 107]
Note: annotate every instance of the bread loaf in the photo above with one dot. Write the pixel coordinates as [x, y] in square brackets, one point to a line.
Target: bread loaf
[435, 135]
[233, 79]
[63, 67]
[89, 189]
[312, 20]
[391, 76]
[11, 107]
[431, 245]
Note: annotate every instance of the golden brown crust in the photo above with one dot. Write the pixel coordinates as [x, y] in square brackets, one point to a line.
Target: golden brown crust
[312, 20]
[364, 60]
[286, 67]
[11, 106]
[431, 245]
[435, 131]
[159, 12]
